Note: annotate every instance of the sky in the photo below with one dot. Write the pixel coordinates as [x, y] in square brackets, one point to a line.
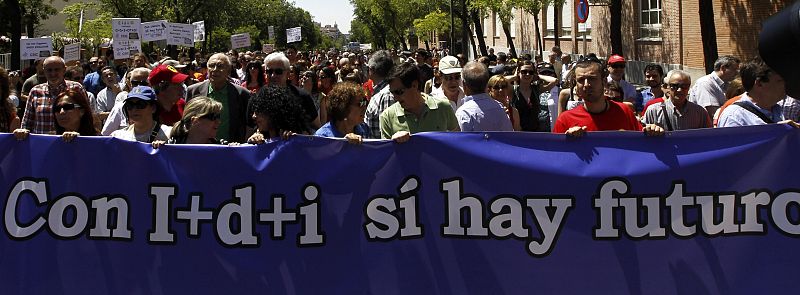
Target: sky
[326, 12]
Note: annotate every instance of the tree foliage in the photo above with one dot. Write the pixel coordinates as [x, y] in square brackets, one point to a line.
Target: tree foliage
[434, 22]
[94, 31]
[389, 21]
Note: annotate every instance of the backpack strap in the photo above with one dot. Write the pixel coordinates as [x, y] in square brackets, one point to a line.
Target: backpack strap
[752, 109]
[666, 116]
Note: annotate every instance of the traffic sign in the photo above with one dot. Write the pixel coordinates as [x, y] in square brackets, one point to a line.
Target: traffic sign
[582, 10]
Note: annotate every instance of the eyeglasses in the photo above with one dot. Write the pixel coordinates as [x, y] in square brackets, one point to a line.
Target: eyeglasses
[397, 92]
[618, 66]
[676, 86]
[450, 77]
[138, 83]
[136, 104]
[66, 107]
[527, 72]
[215, 66]
[275, 71]
[212, 116]
[500, 86]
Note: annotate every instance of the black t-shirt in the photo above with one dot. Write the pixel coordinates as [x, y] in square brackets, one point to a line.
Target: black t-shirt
[306, 102]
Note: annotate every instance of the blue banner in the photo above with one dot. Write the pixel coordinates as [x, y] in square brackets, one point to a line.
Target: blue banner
[693, 212]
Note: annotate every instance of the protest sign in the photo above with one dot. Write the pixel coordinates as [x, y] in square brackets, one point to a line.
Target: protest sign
[199, 31]
[180, 34]
[268, 48]
[240, 41]
[154, 31]
[126, 29]
[72, 52]
[35, 48]
[271, 31]
[294, 35]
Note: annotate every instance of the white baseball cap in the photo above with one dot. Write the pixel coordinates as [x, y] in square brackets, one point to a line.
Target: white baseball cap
[449, 65]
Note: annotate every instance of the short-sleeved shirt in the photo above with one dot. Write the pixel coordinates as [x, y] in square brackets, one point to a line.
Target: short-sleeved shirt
[735, 115]
[618, 116]
[328, 130]
[628, 91]
[94, 83]
[39, 117]
[708, 91]
[691, 116]
[377, 105]
[645, 96]
[483, 113]
[437, 115]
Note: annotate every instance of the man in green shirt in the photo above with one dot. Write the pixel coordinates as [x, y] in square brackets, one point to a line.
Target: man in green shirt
[234, 98]
[413, 111]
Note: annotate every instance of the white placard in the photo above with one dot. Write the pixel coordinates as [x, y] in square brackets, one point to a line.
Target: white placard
[35, 48]
[268, 48]
[72, 52]
[271, 31]
[126, 28]
[122, 49]
[180, 34]
[293, 35]
[199, 31]
[240, 41]
[154, 31]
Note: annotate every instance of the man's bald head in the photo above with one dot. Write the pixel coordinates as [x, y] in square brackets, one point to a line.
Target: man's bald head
[476, 76]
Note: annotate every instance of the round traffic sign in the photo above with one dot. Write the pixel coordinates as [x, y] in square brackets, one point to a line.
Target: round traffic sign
[582, 10]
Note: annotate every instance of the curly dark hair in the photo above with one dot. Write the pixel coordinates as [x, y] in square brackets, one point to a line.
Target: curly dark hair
[87, 119]
[341, 97]
[281, 107]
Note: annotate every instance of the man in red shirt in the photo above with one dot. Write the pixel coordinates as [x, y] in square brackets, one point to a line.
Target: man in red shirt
[597, 113]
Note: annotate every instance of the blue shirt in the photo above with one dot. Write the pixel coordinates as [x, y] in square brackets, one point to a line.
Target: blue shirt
[480, 112]
[328, 130]
[644, 96]
[734, 115]
[93, 83]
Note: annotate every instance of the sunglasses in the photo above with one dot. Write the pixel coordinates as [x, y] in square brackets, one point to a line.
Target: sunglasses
[500, 86]
[527, 72]
[397, 92]
[618, 66]
[138, 83]
[676, 86]
[275, 71]
[451, 77]
[212, 116]
[136, 104]
[66, 107]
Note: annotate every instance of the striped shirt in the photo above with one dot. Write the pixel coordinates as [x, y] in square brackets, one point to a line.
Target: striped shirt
[791, 108]
[39, 117]
[690, 116]
[379, 102]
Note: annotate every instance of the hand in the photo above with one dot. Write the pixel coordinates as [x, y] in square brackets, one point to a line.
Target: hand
[790, 122]
[234, 144]
[653, 130]
[158, 143]
[286, 134]
[353, 138]
[401, 136]
[256, 138]
[576, 131]
[68, 136]
[21, 134]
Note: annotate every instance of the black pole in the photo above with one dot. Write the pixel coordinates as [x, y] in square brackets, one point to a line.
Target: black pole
[452, 29]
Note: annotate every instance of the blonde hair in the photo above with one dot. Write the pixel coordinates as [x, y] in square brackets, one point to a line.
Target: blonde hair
[197, 107]
[494, 80]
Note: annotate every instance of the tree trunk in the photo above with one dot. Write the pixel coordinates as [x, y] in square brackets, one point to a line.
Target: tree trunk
[708, 33]
[15, 18]
[616, 27]
[476, 19]
[472, 41]
[465, 37]
[507, 29]
[557, 25]
[539, 43]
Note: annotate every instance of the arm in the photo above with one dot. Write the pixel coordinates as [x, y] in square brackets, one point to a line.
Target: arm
[549, 82]
[563, 98]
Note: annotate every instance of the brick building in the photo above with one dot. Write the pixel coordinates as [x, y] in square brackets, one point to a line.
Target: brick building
[653, 31]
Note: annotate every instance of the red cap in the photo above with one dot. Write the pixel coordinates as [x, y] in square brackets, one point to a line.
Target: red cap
[166, 73]
[615, 59]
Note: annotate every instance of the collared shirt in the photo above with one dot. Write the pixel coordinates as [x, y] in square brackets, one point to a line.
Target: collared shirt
[93, 83]
[735, 115]
[483, 113]
[436, 116]
[645, 96]
[221, 95]
[690, 116]
[379, 102]
[628, 91]
[39, 117]
[791, 108]
[106, 99]
[708, 91]
[328, 130]
[439, 93]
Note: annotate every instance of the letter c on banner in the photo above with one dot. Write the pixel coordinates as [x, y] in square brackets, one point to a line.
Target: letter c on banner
[13, 228]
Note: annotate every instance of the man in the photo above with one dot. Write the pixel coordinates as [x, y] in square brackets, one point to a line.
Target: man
[566, 60]
[597, 113]
[764, 88]
[36, 79]
[277, 70]
[140, 61]
[291, 54]
[414, 111]
[616, 70]
[106, 98]
[426, 71]
[93, 81]
[500, 68]
[380, 66]
[676, 112]
[233, 98]
[451, 90]
[709, 90]
[555, 58]
[139, 77]
[39, 117]
[343, 68]
[653, 77]
[481, 112]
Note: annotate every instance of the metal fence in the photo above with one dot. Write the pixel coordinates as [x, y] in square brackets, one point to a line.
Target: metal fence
[5, 60]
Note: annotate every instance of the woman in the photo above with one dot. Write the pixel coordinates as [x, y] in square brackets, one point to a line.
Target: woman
[327, 78]
[142, 112]
[254, 77]
[73, 117]
[309, 83]
[526, 97]
[346, 110]
[276, 113]
[199, 124]
[500, 90]
[8, 112]
[567, 99]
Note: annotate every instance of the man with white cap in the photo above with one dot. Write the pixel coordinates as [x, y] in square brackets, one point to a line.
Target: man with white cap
[451, 88]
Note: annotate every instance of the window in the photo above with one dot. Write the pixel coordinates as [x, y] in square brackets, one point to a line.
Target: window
[549, 29]
[567, 10]
[498, 25]
[650, 19]
[513, 23]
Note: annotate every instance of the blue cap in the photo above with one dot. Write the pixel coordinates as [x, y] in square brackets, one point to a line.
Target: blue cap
[142, 92]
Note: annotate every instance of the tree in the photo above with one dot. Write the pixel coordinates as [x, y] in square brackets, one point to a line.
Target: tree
[534, 7]
[615, 27]
[708, 34]
[94, 31]
[502, 9]
[433, 23]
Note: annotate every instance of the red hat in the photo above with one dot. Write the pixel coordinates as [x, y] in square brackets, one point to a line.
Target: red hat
[166, 73]
[615, 59]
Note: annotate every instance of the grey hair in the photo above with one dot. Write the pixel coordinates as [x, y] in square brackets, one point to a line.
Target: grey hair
[222, 56]
[726, 61]
[277, 56]
[671, 73]
[380, 63]
[476, 76]
[137, 71]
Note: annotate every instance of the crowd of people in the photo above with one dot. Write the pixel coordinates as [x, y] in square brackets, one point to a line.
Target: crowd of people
[254, 97]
